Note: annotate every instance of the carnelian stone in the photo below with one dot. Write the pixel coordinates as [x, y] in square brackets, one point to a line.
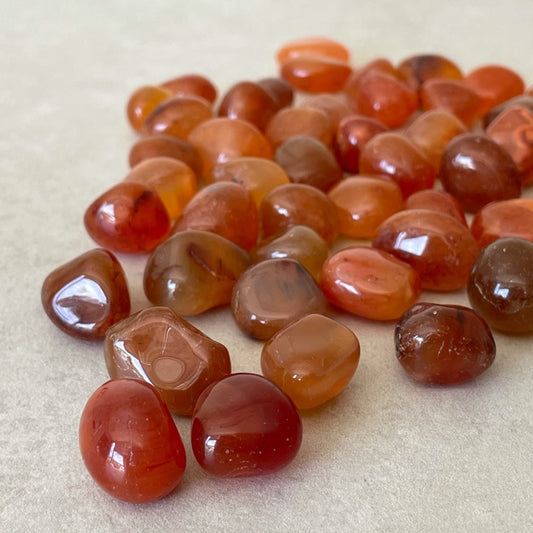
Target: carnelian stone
[166, 146]
[508, 218]
[171, 179]
[157, 346]
[379, 64]
[279, 89]
[244, 425]
[443, 344]
[364, 202]
[352, 135]
[247, 100]
[142, 102]
[500, 286]
[256, 174]
[476, 170]
[417, 69]
[193, 271]
[87, 295]
[296, 242]
[272, 294]
[393, 154]
[494, 84]
[177, 116]
[313, 46]
[221, 139]
[336, 106]
[192, 85]
[128, 218]
[311, 360]
[369, 283]
[296, 203]
[129, 442]
[438, 246]
[437, 200]
[523, 100]
[309, 161]
[226, 208]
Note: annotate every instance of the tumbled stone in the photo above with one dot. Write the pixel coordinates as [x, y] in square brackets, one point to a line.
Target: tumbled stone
[192, 85]
[437, 200]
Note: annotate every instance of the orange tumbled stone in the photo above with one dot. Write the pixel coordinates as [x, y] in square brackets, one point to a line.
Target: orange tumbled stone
[157, 346]
[437, 200]
[369, 283]
[192, 85]
[193, 271]
[142, 102]
[523, 100]
[225, 208]
[311, 360]
[417, 69]
[87, 295]
[315, 46]
[336, 106]
[279, 89]
[128, 218]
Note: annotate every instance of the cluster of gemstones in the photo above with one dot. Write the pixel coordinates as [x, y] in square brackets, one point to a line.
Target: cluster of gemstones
[329, 185]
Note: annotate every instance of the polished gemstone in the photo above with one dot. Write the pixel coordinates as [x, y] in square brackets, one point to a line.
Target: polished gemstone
[315, 46]
[437, 200]
[192, 85]
[142, 102]
[336, 106]
[418, 68]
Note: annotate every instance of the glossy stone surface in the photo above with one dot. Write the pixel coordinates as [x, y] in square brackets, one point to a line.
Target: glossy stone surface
[523, 100]
[478, 171]
[129, 442]
[192, 85]
[87, 295]
[500, 286]
[437, 200]
[273, 293]
[443, 344]
[225, 208]
[418, 68]
[336, 106]
[193, 271]
[168, 352]
[129, 218]
[244, 425]
[369, 283]
[279, 89]
[438, 246]
[142, 102]
[315, 46]
[311, 360]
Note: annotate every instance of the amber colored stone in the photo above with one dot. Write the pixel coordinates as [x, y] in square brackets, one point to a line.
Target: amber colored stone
[193, 271]
[451, 95]
[352, 135]
[172, 180]
[437, 200]
[383, 97]
[296, 242]
[524, 100]
[508, 218]
[431, 132]
[494, 84]
[379, 64]
[364, 202]
[313, 46]
[159, 347]
[272, 294]
[438, 246]
[336, 106]
[476, 170]
[443, 344]
[296, 203]
[309, 161]
[226, 208]
[142, 102]
[311, 360]
[291, 121]
[166, 146]
[221, 139]
[129, 442]
[512, 129]
[87, 295]
[177, 116]
[256, 174]
[395, 155]
[419, 68]
[500, 286]
[279, 89]
[192, 85]
[244, 425]
[369, 283]
[129, 218]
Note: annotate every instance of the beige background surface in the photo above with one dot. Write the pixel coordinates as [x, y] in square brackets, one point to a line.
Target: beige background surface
[388, 454]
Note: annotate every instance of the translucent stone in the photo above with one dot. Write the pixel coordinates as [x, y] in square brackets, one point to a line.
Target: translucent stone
[161, 348]
[272, 294]
[193, 271]
[142, 102]
[443, 344]
[129, 442]
[417, 69]
[369, 283]
[437, 200]
[380, 64]
[523, 100]
[311, 360]
[279, 89]
[87, 295]
[315, 46]
[192, 85]
[244, 425]
[336, 106]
